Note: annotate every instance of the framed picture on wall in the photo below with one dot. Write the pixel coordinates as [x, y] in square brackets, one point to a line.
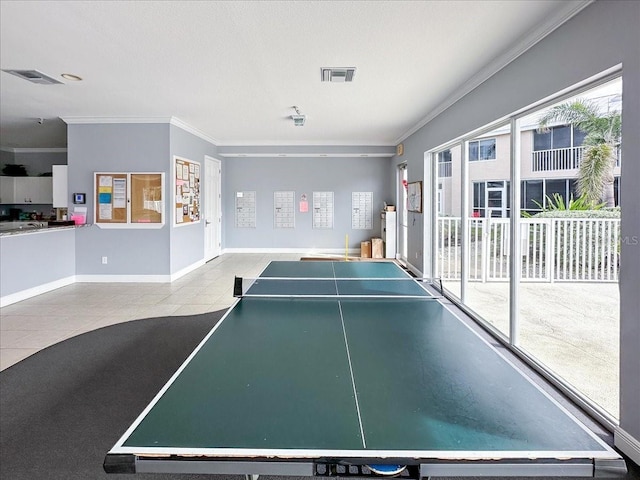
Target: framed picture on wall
[414, 197]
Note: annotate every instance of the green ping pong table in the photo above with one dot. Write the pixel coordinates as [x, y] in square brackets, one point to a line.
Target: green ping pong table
[336, 368]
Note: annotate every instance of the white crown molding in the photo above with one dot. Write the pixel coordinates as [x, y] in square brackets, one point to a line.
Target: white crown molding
[528, 41]
[194, 131]
[306, 155]
[34, 150]
[170, 120]
[96, 120]
[352, 143]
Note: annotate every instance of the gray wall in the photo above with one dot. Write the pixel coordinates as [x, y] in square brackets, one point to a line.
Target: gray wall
[35, 259]
[601, 36]
[6, 157]
[35, 162]
[187, 242]
[341, 175]
[133, 147]
[118, 148]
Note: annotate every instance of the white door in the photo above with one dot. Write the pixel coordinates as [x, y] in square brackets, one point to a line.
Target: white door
[403, 231]
[212, 208]
[496, 200]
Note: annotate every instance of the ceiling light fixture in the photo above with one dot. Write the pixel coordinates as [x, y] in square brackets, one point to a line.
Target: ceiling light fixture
[71, 76]
[298, 118]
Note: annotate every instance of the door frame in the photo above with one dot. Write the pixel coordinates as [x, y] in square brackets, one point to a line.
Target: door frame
[212, 208]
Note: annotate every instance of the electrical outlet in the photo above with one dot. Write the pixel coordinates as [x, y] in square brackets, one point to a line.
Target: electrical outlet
[104, 260]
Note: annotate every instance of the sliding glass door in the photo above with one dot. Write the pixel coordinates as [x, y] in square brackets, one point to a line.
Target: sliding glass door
[527, 236]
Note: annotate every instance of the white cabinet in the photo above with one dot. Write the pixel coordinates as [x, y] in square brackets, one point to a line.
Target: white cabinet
[6, 190]
[27, 190]
[60, 186]
[388, 226]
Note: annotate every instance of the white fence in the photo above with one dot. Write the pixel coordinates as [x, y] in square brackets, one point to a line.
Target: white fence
[553, 249]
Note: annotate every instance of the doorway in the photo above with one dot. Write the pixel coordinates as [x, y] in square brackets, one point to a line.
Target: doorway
[212, 208]
[496, 200]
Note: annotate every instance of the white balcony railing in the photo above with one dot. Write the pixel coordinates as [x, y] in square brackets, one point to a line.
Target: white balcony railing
[444, 169]
[553, 249]
[557, 159]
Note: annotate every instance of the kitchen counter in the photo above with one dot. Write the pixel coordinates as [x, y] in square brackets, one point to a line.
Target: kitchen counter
[28, 227]
[36, 261]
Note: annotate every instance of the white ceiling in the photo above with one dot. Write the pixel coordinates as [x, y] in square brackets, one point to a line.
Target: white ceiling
[233, 70]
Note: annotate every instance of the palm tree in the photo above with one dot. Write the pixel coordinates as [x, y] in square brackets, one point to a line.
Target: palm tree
[603, 134]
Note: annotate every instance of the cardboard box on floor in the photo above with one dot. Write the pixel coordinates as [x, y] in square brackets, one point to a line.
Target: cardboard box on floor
[365, 249]
[377, 248]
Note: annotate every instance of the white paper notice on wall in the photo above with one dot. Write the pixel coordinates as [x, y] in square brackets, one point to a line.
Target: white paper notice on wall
[119, 193]
[323, 210]
[105, 211]
[246, 209]
[362, 210]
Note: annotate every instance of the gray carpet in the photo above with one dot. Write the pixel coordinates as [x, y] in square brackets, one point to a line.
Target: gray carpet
[63, 408]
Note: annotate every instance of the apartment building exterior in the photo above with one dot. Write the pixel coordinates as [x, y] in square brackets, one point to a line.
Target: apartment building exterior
[550, 163]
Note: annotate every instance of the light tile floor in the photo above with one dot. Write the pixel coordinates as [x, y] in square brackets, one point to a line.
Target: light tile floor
[36, 323]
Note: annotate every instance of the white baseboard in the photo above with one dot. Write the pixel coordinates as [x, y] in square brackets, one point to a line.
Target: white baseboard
[47, 287]
[413, 270]
[189, 269]
[627, 444]
[123, 278]
[302, 251]
[140, 278]
[39, 290]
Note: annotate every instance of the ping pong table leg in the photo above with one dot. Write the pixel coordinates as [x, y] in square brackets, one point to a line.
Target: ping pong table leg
[251, 477]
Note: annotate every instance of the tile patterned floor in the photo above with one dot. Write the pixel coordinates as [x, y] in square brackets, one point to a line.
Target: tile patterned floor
[36, 323]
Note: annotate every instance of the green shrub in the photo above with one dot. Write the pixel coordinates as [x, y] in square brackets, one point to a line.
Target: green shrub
[613, 212]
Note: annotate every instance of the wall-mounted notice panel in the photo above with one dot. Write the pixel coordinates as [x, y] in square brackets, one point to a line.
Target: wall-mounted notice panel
[246, 209]
[146, 198]
[129, 200]
[322, 209]
[284, 211]
[187, 191]
[362, 210]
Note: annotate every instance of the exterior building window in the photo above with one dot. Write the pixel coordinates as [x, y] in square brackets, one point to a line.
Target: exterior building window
[559, 148]
[480, 150]
[444, 163]
[478, 199]
[440, 200]
[532, 196]
[536, 193]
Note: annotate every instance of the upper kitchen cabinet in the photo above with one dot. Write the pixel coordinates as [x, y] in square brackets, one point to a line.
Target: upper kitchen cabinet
[7, 190]
[60, 186]
[26, 190]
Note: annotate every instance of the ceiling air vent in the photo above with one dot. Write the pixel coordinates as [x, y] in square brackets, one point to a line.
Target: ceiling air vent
[338, 74]
[33, 76]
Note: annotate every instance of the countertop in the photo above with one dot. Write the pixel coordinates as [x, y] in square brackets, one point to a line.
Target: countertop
[33, 226]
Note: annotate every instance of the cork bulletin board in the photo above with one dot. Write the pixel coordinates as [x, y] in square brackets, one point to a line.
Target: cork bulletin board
[129, 200]
[187, 191]
[146, 198]
[111, 199]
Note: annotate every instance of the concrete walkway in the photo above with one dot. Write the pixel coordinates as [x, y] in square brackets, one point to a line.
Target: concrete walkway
[572, 328]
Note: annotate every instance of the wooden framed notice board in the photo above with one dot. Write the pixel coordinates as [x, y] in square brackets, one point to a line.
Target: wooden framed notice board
[129, 200]
[187, 191]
